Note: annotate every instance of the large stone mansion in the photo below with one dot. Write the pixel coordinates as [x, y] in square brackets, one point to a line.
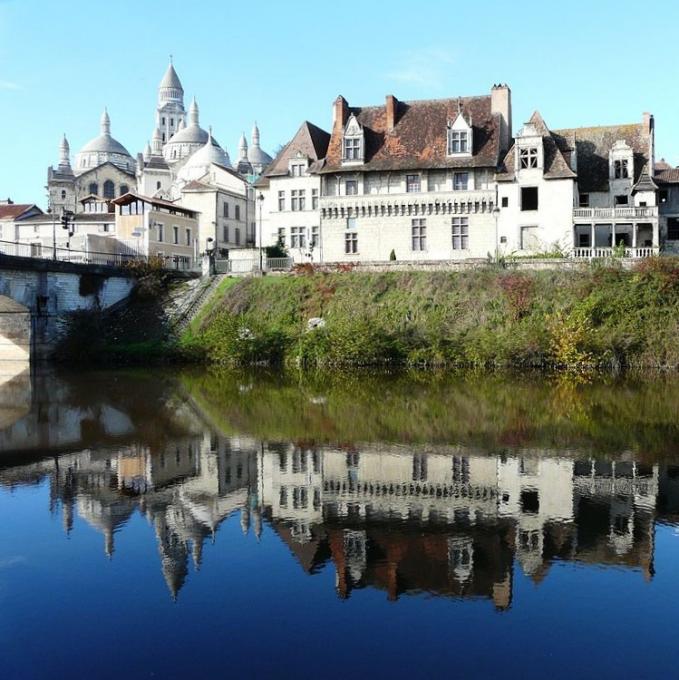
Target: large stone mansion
[446, 180]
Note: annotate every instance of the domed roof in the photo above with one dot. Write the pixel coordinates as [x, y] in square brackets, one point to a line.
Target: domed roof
[199, 163]
[104, 143]
[256, 155]
[171, 79]
[192, 133]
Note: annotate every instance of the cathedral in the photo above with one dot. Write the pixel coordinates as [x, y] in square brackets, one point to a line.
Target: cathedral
[179, 152]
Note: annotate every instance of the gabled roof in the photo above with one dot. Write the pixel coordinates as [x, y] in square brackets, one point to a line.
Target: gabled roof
[419, 138]
[97, 168]
[645, 182]
[557, 154]
[309, 140]
[18, 211]
[593, 145]
[131, 196]
[195, 185]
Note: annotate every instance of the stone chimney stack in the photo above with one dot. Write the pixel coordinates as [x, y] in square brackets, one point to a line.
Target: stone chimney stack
[392, 108]
[648, 125]
[501, 104]
[339, 112]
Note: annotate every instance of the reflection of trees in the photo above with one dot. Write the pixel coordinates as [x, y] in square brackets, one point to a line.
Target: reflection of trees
[489, 411]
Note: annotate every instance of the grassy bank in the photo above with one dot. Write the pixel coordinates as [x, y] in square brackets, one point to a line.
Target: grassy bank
[599, 316]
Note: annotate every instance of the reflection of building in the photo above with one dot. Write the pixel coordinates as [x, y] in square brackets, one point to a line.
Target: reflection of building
[452, 524]
[448, 522]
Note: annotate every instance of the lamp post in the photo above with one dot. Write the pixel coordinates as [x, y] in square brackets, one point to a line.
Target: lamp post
[260, 199]
[496, 215]
[210, 246]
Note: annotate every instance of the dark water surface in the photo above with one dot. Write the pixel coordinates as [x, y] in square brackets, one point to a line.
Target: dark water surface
[197, 525]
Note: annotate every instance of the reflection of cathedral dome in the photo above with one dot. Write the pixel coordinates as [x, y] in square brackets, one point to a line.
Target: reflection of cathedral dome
[104, 149]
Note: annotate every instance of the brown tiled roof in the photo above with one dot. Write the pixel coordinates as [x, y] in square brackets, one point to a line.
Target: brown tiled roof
[593, 145]
[667, 176]
[419, 137]
[645, 182]
[309, 140]
[661, 165]
[557, 149]
[195, 185]
[13, 211]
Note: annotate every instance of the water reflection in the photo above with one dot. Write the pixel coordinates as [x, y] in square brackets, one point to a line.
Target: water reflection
[448, 520]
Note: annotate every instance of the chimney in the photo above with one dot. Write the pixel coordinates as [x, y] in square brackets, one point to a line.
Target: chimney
[392, 107]
[339, 113]
[501, 104]
[648, 125]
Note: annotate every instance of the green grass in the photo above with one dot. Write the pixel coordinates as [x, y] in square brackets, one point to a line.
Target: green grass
[598, 315]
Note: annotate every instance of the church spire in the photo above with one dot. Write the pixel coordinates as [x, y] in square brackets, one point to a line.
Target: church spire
[193, 113]
[255, 135]
[243, 148]
[105, 123]
[64, 154]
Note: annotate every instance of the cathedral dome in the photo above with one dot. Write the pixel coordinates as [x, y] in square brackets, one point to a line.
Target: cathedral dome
[199, 163]
[104, 149]
[256, 155]
[189, 139]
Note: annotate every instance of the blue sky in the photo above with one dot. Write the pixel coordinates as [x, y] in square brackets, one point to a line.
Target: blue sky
[579, 63]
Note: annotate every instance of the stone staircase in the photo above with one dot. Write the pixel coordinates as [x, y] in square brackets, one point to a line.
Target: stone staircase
[185, 304]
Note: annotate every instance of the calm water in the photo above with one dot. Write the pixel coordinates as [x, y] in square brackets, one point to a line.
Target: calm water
[196, 525]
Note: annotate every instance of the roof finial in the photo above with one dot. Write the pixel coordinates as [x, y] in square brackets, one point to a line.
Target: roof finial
[171, 62]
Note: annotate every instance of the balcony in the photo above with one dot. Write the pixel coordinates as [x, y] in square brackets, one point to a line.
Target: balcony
[595, 253]
[620, 213]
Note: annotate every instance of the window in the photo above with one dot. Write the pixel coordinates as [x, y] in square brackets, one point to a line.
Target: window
[460, 233]
[412, 183]
[297, 237]
[505, 201]
[351, 187]
[302, 199]
[584, 200]
[530, 501]
[461, 181]
[458, 141]
[225, 208]
[529, 198]
[621, 170]
[163, 120]
[528, 158]
[188, 237]
[315, 236]
[109, 189]
[63, 194]
[294, 200]
[419, 467]
[662, 195]
[281, 236]
[621, 199]
[175, 235]
[437, 180]
[171, 121]
[225, 233]
[314, 199]
[281, 200]
[157, 185]
[297, 170]
[161, 231]
[673, 229]
[236, 210]
[93, 189]
[419, 234]
[352, 149]
[351, 243]
[163, 137]
[237, 236]
[460, 470]
[584, 240]
[529, 238]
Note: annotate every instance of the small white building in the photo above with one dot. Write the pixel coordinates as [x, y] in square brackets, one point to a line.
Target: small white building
[290, 190]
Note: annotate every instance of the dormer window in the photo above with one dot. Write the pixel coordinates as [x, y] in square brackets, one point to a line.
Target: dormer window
[458, 142]
[352, 149]
[621, 169]
[528, 157]
[352, 144]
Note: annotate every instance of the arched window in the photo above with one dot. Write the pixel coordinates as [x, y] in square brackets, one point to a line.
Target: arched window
[63, 194]
[124, 189]
[94, 189]
[157, 185]
[109, 189]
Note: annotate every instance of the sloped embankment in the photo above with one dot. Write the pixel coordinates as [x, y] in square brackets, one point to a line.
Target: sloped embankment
[599, 315]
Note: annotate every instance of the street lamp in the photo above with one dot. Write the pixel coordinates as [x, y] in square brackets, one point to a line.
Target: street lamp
[260, 199]
[496, 215]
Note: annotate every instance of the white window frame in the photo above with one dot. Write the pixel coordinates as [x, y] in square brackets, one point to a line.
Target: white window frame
[460, 233]
[418, 234]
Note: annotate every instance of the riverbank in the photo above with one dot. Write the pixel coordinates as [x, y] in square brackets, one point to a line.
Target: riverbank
[596, 317]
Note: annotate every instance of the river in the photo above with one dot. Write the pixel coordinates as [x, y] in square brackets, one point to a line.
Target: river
[200, 524]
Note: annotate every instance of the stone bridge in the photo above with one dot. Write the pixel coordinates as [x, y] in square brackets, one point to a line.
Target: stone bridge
[37, 294]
